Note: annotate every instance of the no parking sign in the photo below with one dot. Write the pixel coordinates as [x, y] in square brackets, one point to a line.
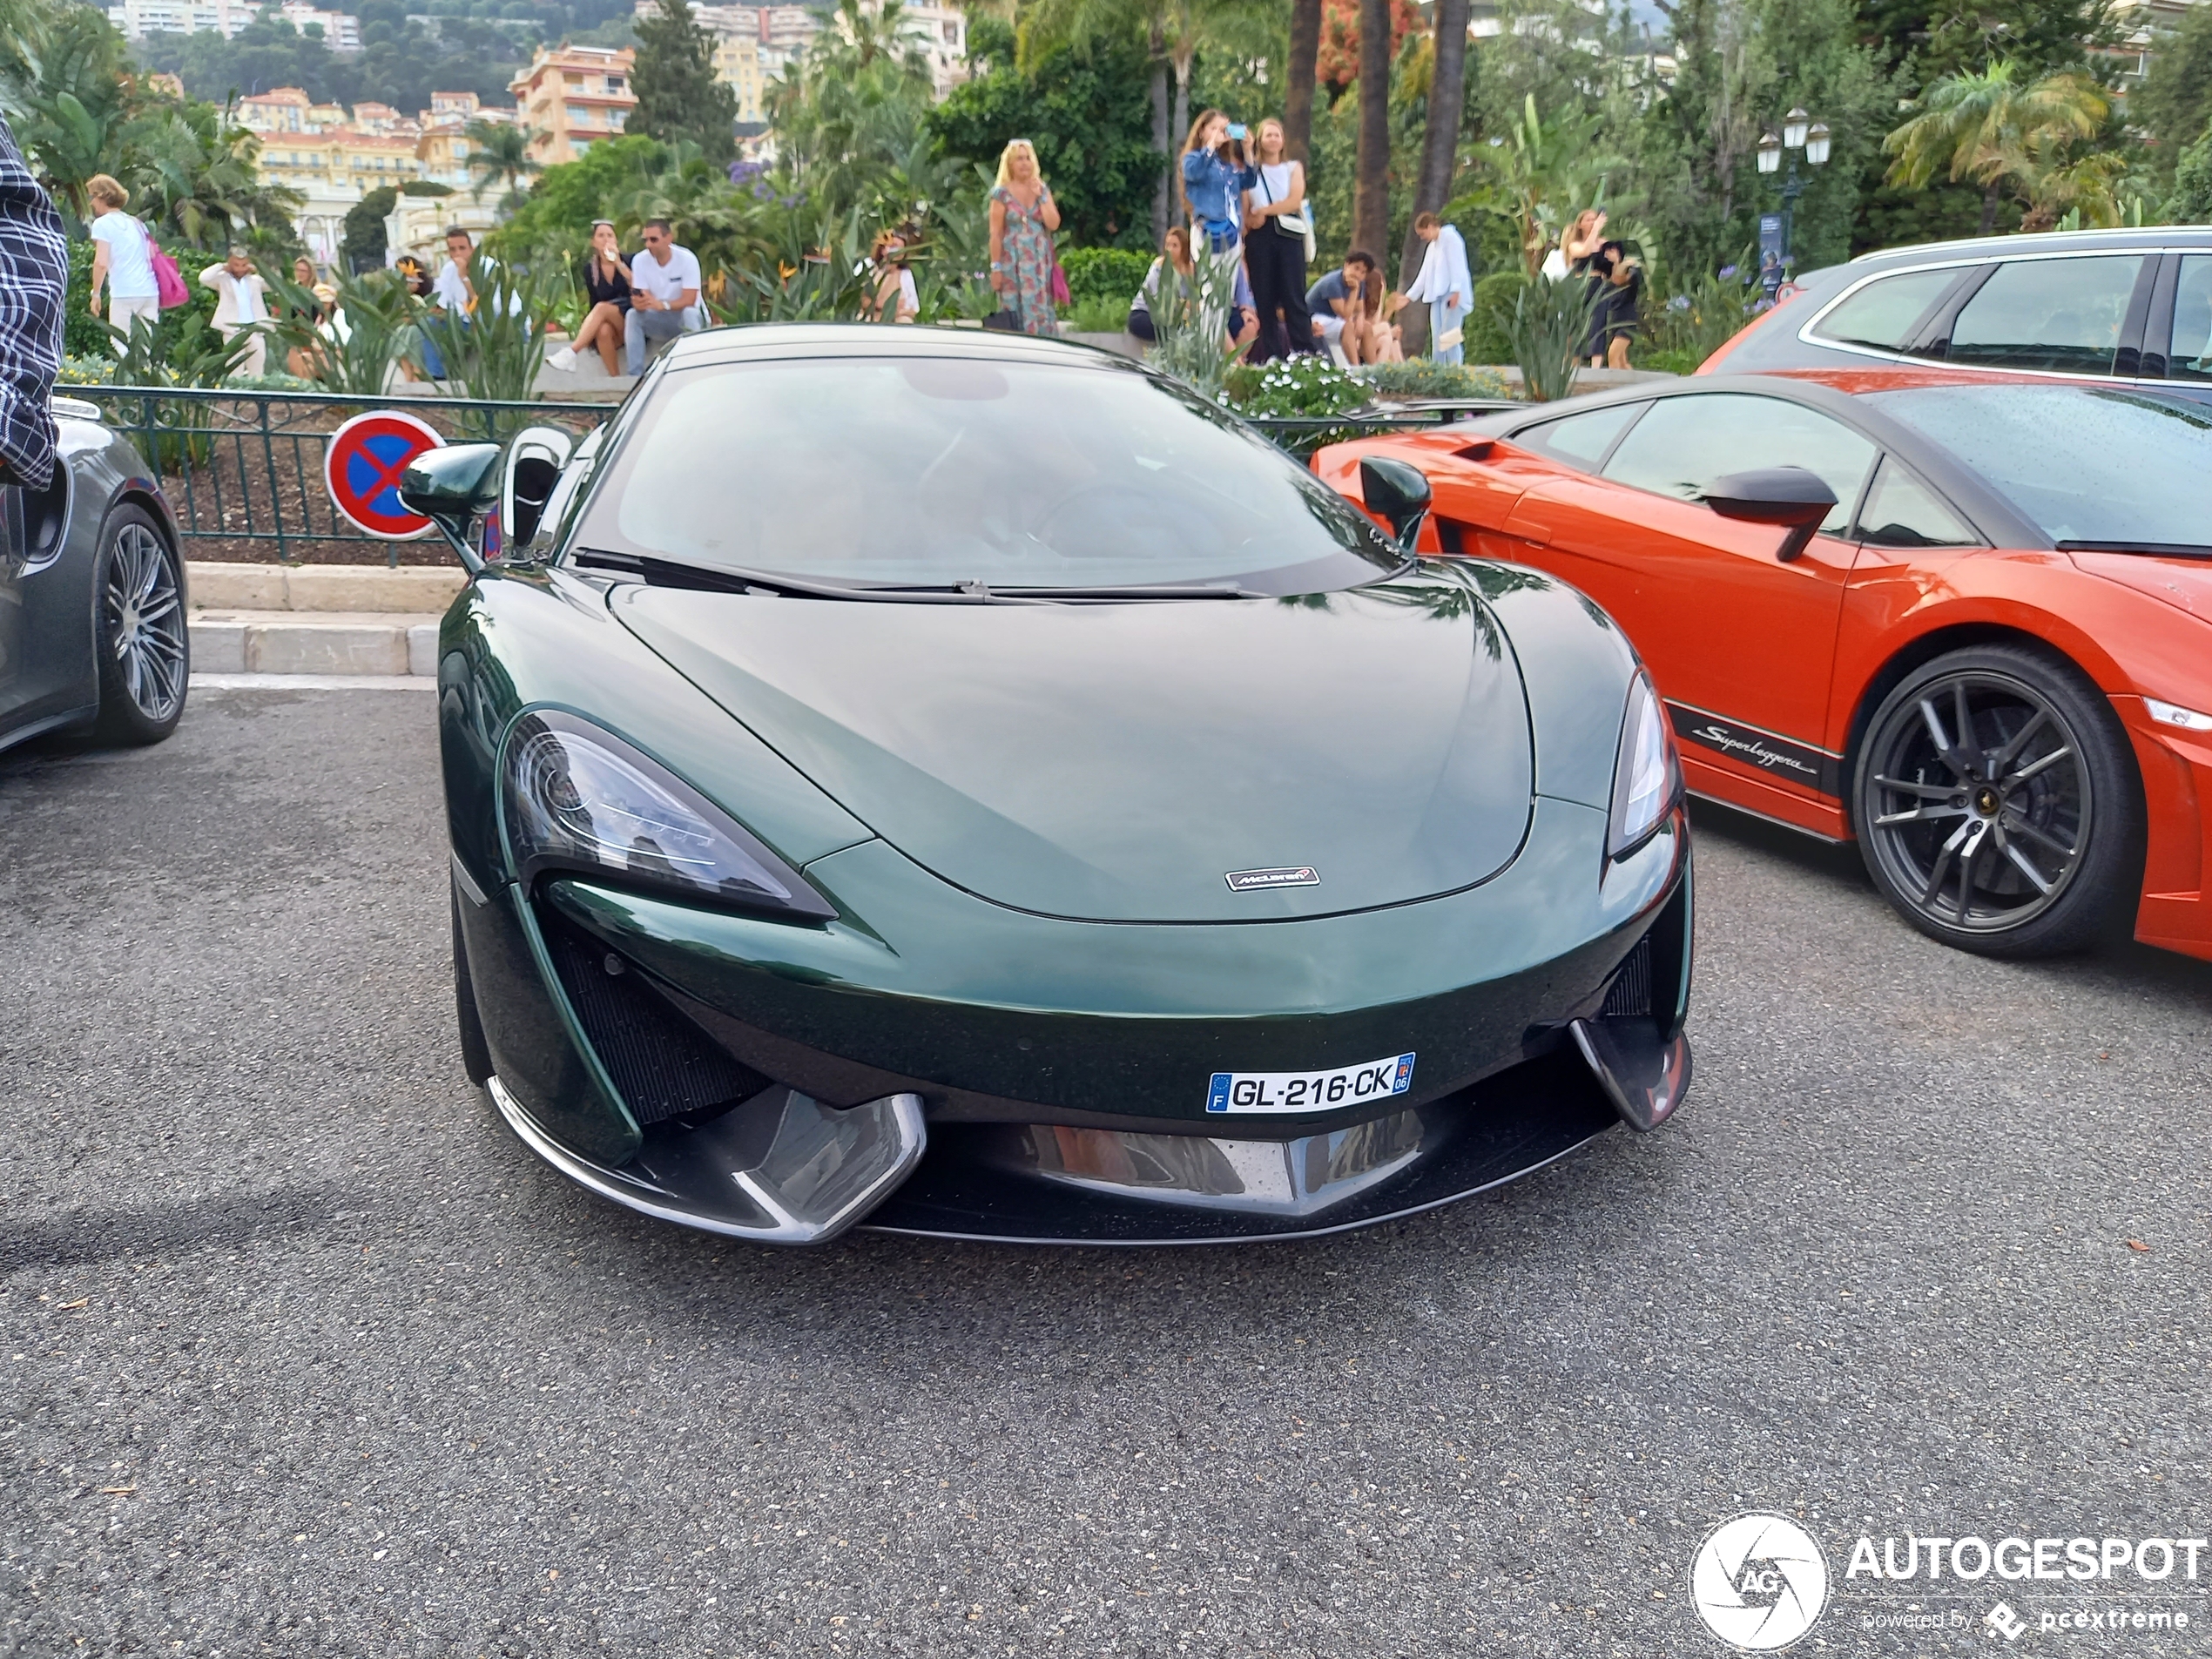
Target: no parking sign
[361, 469]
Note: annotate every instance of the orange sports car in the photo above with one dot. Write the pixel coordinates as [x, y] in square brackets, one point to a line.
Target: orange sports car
[1965, 620]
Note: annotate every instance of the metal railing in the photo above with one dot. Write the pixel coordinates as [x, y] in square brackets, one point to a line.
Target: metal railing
[243, 471]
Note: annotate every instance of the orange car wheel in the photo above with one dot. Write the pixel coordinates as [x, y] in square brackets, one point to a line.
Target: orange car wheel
[1997, 803]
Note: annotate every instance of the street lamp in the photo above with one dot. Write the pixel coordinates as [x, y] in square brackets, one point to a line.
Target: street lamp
[1799, 131]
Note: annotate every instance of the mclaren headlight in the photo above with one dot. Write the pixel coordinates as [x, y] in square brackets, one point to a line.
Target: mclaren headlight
[579, 798]
[1647, 778]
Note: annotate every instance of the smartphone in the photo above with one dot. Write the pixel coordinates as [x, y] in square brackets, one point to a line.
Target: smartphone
[1237, 130]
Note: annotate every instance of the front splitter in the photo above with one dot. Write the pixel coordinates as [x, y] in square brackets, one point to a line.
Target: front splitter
[1508, 1126]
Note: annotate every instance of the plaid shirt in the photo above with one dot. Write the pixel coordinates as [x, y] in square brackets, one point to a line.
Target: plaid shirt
[33, 281]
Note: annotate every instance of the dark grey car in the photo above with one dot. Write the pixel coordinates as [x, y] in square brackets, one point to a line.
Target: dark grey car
[2127, 305]
[91, 594]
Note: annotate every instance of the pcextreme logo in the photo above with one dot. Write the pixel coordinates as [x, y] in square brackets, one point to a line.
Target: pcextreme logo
[1758, 1581]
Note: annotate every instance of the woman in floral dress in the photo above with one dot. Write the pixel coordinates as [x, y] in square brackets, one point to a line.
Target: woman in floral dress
[1023, 217]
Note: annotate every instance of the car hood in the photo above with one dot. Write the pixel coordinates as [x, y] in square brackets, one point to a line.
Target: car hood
[1118, 762]
[2184, 583]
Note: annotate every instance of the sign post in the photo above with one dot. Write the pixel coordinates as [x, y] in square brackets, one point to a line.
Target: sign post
[362, 466]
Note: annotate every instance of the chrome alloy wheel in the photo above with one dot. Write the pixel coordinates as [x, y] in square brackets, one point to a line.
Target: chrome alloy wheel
[145, 622]
[1981, 807]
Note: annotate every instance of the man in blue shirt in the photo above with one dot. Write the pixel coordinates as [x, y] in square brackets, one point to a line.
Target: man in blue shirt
[1338, 311]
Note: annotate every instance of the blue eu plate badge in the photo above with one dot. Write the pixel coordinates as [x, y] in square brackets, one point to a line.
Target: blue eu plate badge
[1308, 1091]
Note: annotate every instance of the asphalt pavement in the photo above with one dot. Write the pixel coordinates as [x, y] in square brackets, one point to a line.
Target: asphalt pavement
[302, 1353]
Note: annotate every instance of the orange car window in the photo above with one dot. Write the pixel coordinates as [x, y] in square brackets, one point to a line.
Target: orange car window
[2060, 314]
[1901, 511]
[1686, 442]
[1580, 440]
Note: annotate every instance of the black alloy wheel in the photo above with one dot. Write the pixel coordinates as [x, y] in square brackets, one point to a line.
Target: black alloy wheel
[1997, 803]
[145, 652]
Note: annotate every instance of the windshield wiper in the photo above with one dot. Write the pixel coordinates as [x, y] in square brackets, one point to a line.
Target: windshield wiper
[730, 578]
[2156, 550]
[1161, 591]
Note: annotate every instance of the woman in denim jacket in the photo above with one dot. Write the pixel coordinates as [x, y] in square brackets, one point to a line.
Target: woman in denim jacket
[1216, 174]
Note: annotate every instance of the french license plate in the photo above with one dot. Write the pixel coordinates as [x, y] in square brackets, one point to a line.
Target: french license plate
[1308, 1091]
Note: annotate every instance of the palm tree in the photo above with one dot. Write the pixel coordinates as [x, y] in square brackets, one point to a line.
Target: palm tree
[501, 150]
[1175, 32]
[1439, 141]
[1991, 129]
[1370, 169]
[1297, 79]
[1539, 171]
[69, 96]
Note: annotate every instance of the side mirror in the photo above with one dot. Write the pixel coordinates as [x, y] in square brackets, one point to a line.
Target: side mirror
[534, 464]
[1397, 490]
[452, 487]
[1791, 497]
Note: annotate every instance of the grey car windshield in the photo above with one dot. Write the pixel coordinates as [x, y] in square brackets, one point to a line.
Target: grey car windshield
[933, 471]
[2082, 463]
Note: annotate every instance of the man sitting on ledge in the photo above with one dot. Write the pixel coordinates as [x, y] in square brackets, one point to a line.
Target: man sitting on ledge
[664, 293]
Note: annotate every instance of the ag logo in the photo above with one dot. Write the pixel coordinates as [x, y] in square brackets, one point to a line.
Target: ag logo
[1758, 1581]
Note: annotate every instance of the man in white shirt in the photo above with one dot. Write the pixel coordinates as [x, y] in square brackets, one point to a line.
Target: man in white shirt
[122, 258]
[241, 308]
[664, 293]
[453, 291]
[1446, 283]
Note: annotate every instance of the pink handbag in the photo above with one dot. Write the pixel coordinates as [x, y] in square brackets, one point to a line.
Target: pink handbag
[168, 280]
[1060, 296]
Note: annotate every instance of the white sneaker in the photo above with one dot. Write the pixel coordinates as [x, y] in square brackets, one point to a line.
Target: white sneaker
[563, 360]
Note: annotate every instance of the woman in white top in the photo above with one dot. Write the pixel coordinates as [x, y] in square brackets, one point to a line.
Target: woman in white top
[122, 257]
[1274, 233]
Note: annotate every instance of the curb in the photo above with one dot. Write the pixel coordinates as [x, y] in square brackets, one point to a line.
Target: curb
[342, 620]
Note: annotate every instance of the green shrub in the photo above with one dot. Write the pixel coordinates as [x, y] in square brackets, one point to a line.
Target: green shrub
[1490, 316]
[1665, 362]
[1550, 326]
[1307, 385]
[1425, 377]
[1096, 316]
[1100, 274]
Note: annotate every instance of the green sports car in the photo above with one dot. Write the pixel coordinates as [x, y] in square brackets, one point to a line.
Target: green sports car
[967, 785]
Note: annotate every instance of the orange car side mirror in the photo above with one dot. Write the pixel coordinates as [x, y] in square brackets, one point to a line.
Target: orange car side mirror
[1791, 497]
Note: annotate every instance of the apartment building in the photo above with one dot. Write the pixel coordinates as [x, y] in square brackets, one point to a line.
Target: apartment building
[136, 19]
[570, 96]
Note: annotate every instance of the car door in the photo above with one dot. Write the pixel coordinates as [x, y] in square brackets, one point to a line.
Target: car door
[12, 547]
[1740, 641]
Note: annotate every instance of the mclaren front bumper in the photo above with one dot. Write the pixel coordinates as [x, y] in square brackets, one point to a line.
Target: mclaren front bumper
[956, 1068]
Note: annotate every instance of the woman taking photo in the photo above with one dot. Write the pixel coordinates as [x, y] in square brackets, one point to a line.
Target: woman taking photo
[1023, 217]
[1275, 234]
[1215, 178]
[894, 299]
[606, 286]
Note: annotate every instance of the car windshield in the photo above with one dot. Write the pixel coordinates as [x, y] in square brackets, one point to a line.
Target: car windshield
[937, 471]
[2083, 463]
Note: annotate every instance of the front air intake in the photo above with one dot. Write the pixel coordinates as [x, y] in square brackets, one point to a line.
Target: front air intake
[664, 1066]
[1630, 992]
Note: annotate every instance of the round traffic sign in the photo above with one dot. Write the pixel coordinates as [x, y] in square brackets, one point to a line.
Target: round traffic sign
[361, 468]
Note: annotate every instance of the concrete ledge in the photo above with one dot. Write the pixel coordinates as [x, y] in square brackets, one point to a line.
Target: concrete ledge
[275, 642]
[423, 590]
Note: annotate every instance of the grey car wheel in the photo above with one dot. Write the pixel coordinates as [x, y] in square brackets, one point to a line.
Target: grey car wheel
[1997, 805]
[144, 654]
